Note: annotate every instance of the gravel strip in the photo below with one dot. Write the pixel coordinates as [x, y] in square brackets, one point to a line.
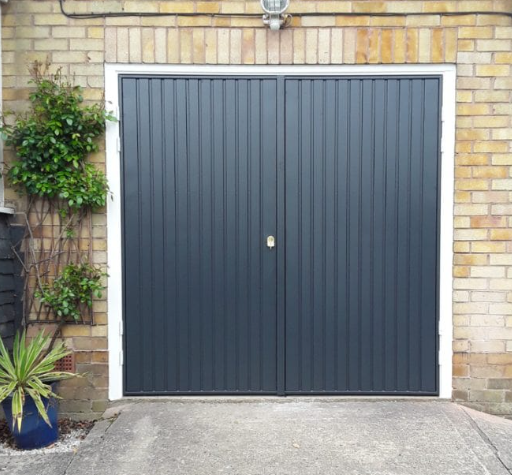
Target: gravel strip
[71, 434]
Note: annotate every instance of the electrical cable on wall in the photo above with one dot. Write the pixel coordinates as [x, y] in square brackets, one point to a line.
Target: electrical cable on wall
[85, 16]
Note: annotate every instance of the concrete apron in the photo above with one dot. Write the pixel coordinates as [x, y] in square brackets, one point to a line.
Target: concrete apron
[274, 436]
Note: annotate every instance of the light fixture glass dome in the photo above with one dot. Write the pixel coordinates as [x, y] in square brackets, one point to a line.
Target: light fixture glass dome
[275, 7]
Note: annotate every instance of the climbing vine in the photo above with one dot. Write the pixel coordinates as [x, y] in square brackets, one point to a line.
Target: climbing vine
[51, 143]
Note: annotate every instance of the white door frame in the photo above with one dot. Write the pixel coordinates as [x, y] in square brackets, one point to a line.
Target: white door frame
[115, 265]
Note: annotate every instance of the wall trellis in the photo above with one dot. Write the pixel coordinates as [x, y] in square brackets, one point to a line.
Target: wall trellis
[51, 241]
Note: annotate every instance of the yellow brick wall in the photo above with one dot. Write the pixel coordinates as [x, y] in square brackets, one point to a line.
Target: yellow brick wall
[480, 45]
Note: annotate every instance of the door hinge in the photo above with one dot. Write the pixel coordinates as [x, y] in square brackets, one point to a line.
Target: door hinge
[121, 332]
[118, 145]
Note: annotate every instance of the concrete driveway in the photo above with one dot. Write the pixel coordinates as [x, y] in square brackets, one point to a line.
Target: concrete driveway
[285, 436]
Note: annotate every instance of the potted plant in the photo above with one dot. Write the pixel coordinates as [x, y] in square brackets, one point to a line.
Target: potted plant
[27, 383]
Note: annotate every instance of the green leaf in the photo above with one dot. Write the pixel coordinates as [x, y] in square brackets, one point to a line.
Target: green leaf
[29, 372]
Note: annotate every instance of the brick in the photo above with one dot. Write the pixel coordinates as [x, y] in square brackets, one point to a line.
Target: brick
[123, 45]
[505, 383]
[487, 247]
[185, 47]
[491, 122]
[450, 40]
[68, 32]
[501, 234]
[368, 7]
[311, 46]
[463, 20]
[424, 45]
[362, 41]
[299, 48]
[490, 172]
[503, 58]
[461, 296]
[471, 307]
[503, 32]
[502, 185]
[492, 96]
[501, 209]
[318, 21]
[502, 134]
[96, 32]
[261, 46]
[460, 395]
[399, 46]
[501, 260]
[461, 371]
[494, 45]
[487, 395]
[487, 271]
[349, 46]
[135, 45]
[487, 320]
[499, 359]
[412, 46]
[110, 45]
[476, 32]
[324, 46]
[474, 83]
[472, 184]
[50, 44]
[474, 58]
[472, 109]
[501, 309]
[505, 159]
[69, 57]
[503, 83]
[471, 210]
[207, 7]
[437, 45]
[248, 51]
[273, 47]
[423, 21]
[486, 347]
[466, 45]
[472, 134]
[76, 330]
[161, 45]
[173, 48]
[491, 147]
[472, 159]
[353, 21]
[337, 45]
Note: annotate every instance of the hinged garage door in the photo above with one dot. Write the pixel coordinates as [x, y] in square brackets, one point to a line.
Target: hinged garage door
[342, 173]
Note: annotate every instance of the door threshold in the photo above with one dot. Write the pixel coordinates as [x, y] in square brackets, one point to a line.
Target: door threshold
[276, 399]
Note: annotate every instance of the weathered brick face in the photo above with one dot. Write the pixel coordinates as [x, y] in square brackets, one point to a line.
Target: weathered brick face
[480, 45]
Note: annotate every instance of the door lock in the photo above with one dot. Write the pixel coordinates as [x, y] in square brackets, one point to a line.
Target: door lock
[271, 242]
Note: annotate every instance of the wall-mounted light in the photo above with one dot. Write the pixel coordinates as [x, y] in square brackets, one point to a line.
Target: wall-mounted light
[274, 10]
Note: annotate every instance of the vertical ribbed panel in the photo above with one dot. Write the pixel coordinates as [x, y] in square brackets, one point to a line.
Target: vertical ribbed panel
[361, 235]
[347, 302]
[199, 186]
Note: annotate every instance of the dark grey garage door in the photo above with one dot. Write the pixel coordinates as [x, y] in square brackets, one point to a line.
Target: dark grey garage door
[342, 172]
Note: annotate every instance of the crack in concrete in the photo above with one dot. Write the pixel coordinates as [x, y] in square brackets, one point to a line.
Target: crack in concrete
[487, 440]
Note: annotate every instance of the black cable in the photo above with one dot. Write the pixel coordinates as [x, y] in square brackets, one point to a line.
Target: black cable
[85, 16]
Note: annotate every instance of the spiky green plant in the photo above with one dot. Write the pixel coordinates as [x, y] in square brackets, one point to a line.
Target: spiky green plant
[30, 372]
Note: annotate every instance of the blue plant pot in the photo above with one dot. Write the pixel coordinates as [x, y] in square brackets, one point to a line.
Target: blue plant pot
[35, 432]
